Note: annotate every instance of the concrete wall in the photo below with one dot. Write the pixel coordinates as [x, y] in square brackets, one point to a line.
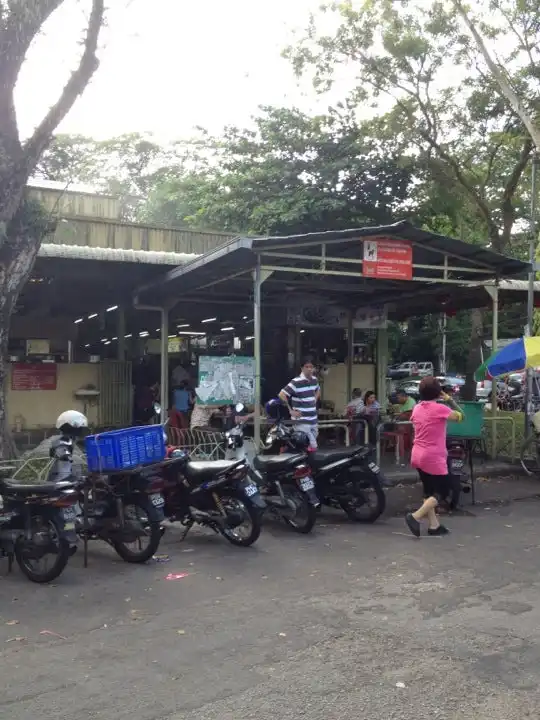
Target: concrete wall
[335, 383]
[40, 408]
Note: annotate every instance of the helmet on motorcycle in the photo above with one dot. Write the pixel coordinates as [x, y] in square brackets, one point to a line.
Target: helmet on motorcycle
[273, 409]
[72, 422]
[300, 440]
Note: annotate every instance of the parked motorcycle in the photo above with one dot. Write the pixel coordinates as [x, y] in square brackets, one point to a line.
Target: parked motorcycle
[216, 493]
[284, 481]
[124, 510]
[344, 478]
[457, 456]
[37, 527]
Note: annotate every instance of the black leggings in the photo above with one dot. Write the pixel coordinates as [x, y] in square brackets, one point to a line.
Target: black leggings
[437, 486]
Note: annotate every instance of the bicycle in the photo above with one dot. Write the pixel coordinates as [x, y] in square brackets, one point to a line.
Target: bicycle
[529, 456]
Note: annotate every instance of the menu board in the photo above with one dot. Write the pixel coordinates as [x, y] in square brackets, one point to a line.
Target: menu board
[226, 380]
[34, 376]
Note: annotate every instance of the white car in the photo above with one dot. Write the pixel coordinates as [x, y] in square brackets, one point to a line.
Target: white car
[406, 369]
[425, 369]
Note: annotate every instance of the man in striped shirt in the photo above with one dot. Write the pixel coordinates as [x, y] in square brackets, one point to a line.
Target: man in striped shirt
[301, 396]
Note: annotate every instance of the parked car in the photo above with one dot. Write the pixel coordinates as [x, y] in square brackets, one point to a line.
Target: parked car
[452, 381]
[425, 369]
[405, 370]
[391, 370]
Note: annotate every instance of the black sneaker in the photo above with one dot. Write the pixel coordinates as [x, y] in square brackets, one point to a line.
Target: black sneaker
[441, 530]
[413, 525]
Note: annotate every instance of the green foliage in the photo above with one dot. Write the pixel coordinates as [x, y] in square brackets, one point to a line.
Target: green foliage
[292, 173]
[128, 166]
[467, 140]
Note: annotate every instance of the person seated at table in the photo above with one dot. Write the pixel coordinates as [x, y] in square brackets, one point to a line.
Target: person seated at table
[372, 412]
[402, 411]
[356, 403]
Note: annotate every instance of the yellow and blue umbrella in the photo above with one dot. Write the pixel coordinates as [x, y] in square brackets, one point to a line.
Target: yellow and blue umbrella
[514, 357]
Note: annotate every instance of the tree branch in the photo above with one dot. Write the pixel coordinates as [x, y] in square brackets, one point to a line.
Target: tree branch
[500, 77]
[508, 211]
[76, 84]
[23, 22]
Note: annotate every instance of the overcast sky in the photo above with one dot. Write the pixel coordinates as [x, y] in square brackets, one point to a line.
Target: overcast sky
[168, 65]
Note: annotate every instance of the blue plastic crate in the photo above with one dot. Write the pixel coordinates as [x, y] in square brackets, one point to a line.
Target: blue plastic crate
[124, 449]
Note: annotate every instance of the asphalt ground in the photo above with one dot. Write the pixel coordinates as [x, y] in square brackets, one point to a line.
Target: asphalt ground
[349, 622]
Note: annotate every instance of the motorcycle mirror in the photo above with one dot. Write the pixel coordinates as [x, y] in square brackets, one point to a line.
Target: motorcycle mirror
[157, 408]
[239, 407]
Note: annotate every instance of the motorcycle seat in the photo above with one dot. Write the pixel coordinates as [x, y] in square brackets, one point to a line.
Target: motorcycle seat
[320, 458]
[269, 463]
[205, 469]
[14, 488]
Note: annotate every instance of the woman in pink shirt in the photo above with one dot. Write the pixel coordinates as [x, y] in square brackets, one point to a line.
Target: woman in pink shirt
[429, 454]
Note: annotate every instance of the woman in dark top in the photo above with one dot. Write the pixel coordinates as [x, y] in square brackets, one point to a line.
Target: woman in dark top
[372, 413]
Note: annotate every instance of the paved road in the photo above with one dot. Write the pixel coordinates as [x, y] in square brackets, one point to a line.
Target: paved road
[350, 622]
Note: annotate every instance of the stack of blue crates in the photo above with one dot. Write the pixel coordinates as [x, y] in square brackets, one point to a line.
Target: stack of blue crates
[124, 449]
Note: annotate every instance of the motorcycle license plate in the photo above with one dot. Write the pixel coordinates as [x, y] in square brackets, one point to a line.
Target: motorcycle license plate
[157, 500]
[307, 484]
[374, 468]
[251, 489]
[456, 464]
[68, 514]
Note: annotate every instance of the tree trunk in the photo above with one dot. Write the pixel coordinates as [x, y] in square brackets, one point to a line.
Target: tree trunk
[474, 359]
[18, 253]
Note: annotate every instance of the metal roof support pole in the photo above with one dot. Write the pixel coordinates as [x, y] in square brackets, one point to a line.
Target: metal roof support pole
[257, 283]
[493, 291]
[259, 276]
[164, 341]
[529, 330]
[350, 354]
[444, 323]
[381, 357]
[121, 332]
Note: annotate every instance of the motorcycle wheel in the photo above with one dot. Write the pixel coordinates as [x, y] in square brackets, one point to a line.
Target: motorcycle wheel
[248, 532]
[152, 532]
[359, 508]
[23, 552]
[306, 513]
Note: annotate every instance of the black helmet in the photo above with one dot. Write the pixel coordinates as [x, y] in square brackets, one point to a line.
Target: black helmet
[300, 440]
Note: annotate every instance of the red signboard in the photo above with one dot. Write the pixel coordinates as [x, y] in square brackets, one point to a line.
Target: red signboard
[387, 259]
[35, 376]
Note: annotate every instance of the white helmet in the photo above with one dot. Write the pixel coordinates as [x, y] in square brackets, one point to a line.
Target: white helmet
[71, 420]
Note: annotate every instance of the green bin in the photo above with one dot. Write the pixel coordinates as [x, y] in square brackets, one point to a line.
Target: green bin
[472, 424]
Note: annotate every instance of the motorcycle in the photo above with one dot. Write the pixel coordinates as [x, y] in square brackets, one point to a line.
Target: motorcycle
[123, 510]
[344, 478]
[457, 456]
[284, 480]
[217, 494]
[38, 522]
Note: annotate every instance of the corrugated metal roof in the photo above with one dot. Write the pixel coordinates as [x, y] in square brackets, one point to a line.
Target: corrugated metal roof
[519, 285]
[83, 252]
[66, 187]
